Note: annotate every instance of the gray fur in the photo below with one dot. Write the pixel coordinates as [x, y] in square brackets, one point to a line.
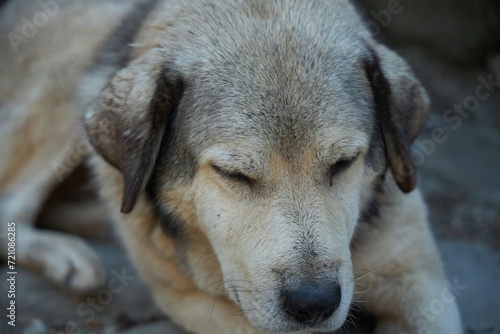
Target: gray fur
[265, 79]
[245, 141]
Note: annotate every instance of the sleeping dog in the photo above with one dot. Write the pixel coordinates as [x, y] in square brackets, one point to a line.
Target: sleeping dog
[254, 155]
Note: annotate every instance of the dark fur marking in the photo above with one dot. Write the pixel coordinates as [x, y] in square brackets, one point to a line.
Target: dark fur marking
[381, 96]
[370, 211]
[136, 159]
[372, 207]
[116, 49]
[394, 125]
[237, 296]
[376, 142]
[170, 224]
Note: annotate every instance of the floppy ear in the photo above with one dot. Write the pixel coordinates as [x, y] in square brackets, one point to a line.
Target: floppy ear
[128, 120]
[402, 108]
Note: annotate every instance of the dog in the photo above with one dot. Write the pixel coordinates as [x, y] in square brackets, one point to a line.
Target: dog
[254, 156]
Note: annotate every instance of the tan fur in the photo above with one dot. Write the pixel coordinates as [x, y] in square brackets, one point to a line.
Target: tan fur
[257, 116]
[41, 129]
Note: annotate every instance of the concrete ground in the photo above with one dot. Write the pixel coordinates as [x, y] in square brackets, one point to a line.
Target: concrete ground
[460, 179]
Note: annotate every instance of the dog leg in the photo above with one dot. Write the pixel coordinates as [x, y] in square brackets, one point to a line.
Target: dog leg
[400, 277]
[66, 260]
[63, 259]
[198, 311]
[190, 307]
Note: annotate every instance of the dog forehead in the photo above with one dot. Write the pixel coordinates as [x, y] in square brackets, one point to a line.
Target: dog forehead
[279, 71]
[208, 34]
[283, 118]
[287, 99]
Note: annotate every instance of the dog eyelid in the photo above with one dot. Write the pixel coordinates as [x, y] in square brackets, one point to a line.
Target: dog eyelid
[234, 176]
[342, 165]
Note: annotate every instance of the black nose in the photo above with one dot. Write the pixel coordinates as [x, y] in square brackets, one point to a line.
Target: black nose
[311, 302]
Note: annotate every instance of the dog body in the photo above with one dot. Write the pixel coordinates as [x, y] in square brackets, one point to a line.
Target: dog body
[258, 152]
[41, 138]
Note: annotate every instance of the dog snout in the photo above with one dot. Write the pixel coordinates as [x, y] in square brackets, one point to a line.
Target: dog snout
[312, 302]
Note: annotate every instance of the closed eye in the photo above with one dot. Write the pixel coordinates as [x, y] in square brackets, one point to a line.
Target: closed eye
[341, 166]
[233, 176]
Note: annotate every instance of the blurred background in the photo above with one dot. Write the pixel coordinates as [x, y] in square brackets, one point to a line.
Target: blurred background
[454, 49]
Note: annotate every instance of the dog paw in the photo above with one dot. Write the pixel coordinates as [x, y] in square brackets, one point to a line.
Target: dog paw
[66, 260]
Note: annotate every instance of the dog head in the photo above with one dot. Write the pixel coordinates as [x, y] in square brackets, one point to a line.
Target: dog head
[277, 121]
